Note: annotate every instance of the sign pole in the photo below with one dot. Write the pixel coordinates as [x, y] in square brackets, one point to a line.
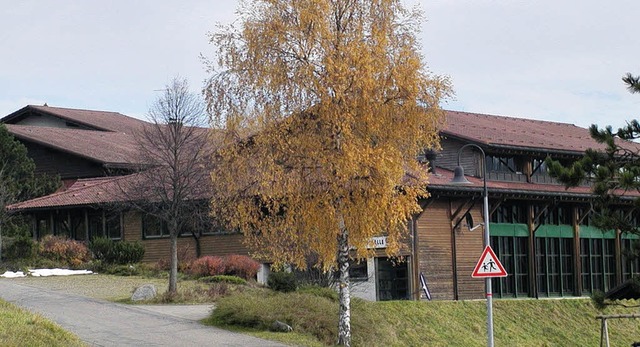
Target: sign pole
[487, 283]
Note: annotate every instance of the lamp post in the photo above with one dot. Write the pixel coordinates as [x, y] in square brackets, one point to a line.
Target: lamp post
[458, 178]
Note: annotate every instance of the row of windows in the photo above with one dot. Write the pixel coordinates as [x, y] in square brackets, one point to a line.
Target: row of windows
[517, 214]
[153, 227]
[516, 164]
[554, 264]
[74, 224]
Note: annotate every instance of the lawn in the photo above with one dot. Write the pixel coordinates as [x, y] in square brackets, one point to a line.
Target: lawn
[19, 327]
[551, 322]
[313, 315]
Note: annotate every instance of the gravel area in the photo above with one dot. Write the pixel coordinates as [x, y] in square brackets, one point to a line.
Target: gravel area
[97, 286]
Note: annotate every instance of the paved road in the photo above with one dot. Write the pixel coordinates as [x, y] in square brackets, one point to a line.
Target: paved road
[103, 323]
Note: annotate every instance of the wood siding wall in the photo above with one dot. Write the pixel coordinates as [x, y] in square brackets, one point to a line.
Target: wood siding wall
[469, 246]
[59, 163]
[447, 257]
[448, 157]
[156, 249]
[434, 250]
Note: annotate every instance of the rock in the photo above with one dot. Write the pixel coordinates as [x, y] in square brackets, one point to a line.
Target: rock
[144, 292]
[281, 327]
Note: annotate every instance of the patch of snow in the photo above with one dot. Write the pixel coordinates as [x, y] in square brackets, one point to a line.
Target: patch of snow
[11, 274]
[45, 273]
[57, 272]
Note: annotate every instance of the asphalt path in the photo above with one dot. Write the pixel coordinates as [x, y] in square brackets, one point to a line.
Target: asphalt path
[103, 323]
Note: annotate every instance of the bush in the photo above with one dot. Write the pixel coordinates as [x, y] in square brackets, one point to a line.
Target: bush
[62, 249]
[120, 252]
[127, 252]
[282, 281]
[241, 266]
[22, 247]
[207, 266]
[223, 279]
[232, 265]
[100, 247]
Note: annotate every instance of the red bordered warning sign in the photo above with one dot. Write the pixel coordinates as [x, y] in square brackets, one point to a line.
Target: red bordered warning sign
[488, 265]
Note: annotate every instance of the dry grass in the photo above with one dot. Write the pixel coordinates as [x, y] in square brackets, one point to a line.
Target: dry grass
[108, 287]
[19, 327]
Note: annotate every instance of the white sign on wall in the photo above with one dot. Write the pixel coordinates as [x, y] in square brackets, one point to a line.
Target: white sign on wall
[378, 242]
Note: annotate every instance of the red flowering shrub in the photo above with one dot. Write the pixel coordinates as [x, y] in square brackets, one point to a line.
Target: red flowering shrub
[241, 266]
[234, 265]
[207, 266]
[58, 248]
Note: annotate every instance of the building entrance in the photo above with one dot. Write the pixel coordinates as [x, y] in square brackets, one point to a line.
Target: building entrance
[392, 279]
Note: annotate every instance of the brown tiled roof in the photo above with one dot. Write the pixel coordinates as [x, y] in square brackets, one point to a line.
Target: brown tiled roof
[113, 148]
[106, 190]
[442, 181]
[97, 191]
[519, 133]
[99, 120]
[82, 192]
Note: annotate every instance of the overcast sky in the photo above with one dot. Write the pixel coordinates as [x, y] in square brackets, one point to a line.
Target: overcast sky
[546, 59]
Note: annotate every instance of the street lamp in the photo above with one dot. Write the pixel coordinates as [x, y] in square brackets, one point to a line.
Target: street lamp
[458, 178]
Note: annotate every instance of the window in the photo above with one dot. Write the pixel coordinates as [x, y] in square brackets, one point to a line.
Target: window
[555, 215]
[77, 229]
[513, 254]
[554, 266]
[358, 270]
[597, 258]
[510, 213]
[153, 227]
[96, 226]
[503, 164]
[105, 224]
[204, 226]
[630, 264]
[539, 167]
[43, 225]
[113, 225]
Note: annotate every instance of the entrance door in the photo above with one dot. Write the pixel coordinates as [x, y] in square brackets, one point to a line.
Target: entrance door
[392, 279]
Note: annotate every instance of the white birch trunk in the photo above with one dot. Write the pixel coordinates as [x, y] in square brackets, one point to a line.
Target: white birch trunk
[344, 321]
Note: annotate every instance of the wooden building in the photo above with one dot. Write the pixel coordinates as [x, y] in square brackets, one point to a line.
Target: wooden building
[539, 230]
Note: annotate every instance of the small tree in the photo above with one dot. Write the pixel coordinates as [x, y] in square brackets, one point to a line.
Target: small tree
[324, 105]
[174, 183]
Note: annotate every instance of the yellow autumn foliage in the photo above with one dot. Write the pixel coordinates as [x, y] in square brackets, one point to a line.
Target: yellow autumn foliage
[324, 106]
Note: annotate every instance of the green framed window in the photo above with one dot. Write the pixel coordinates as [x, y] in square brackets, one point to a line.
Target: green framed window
[597, 259]
[512, 252]
[510, 243]
[630, 266]
[554, 260]
[554, 266]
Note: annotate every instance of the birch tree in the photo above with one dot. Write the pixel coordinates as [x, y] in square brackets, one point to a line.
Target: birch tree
[324, 106]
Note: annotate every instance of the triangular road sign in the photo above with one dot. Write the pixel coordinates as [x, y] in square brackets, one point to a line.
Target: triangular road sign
[488, 265]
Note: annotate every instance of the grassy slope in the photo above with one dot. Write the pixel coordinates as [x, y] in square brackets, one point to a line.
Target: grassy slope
[22, 328]
[568, 322]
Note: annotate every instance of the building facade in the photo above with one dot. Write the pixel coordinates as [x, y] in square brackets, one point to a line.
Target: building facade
[540, 231]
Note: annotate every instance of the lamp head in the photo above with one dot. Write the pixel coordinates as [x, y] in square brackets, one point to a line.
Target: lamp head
[458, 176]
